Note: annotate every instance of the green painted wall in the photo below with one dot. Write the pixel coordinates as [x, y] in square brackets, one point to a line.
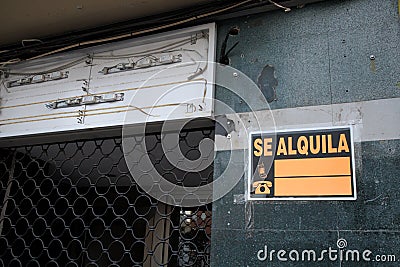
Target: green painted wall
[321, 55]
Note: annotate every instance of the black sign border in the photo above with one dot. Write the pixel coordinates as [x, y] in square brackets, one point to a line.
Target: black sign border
[300, 198]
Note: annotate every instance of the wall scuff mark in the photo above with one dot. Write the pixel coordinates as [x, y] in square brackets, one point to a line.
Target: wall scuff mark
[223, 125]
[267, 83]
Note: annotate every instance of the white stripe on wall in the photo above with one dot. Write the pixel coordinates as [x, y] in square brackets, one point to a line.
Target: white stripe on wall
[372, 121]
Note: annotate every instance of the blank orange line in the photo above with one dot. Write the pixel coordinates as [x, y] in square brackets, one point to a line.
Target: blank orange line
[312, 167]
[313, 186]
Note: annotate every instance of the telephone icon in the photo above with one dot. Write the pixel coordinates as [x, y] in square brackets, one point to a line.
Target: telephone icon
[262, 187]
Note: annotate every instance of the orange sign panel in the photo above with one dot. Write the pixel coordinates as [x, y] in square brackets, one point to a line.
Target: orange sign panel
[309, 164]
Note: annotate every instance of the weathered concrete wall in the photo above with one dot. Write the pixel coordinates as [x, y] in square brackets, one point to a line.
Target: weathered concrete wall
[321, 55]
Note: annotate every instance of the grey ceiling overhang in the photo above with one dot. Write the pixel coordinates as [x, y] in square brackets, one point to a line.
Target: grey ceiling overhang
[32, 27]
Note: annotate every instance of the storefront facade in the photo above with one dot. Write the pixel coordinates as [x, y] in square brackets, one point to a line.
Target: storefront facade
[72, 199]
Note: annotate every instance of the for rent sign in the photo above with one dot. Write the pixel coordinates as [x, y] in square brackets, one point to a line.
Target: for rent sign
[305, 164]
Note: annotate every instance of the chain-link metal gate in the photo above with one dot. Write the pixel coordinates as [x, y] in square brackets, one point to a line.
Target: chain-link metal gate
[76, 204]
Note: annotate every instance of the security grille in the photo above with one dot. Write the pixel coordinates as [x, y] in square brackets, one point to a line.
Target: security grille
[76, 204]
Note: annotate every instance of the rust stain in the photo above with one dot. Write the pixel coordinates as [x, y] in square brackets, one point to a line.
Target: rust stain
[372, 66]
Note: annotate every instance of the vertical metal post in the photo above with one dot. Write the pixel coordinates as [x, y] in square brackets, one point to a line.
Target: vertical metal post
[7, 194]
[161, 226]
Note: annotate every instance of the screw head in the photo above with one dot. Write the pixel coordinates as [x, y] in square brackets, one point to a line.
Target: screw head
[235, 74]
[372, 57]
[228, 136]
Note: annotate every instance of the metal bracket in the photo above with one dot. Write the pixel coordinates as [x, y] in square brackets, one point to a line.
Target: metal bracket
[81, 117]
[193, 39]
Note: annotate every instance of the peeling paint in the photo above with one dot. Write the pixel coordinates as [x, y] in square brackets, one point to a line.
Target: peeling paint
[267, 83]
[224, 126]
